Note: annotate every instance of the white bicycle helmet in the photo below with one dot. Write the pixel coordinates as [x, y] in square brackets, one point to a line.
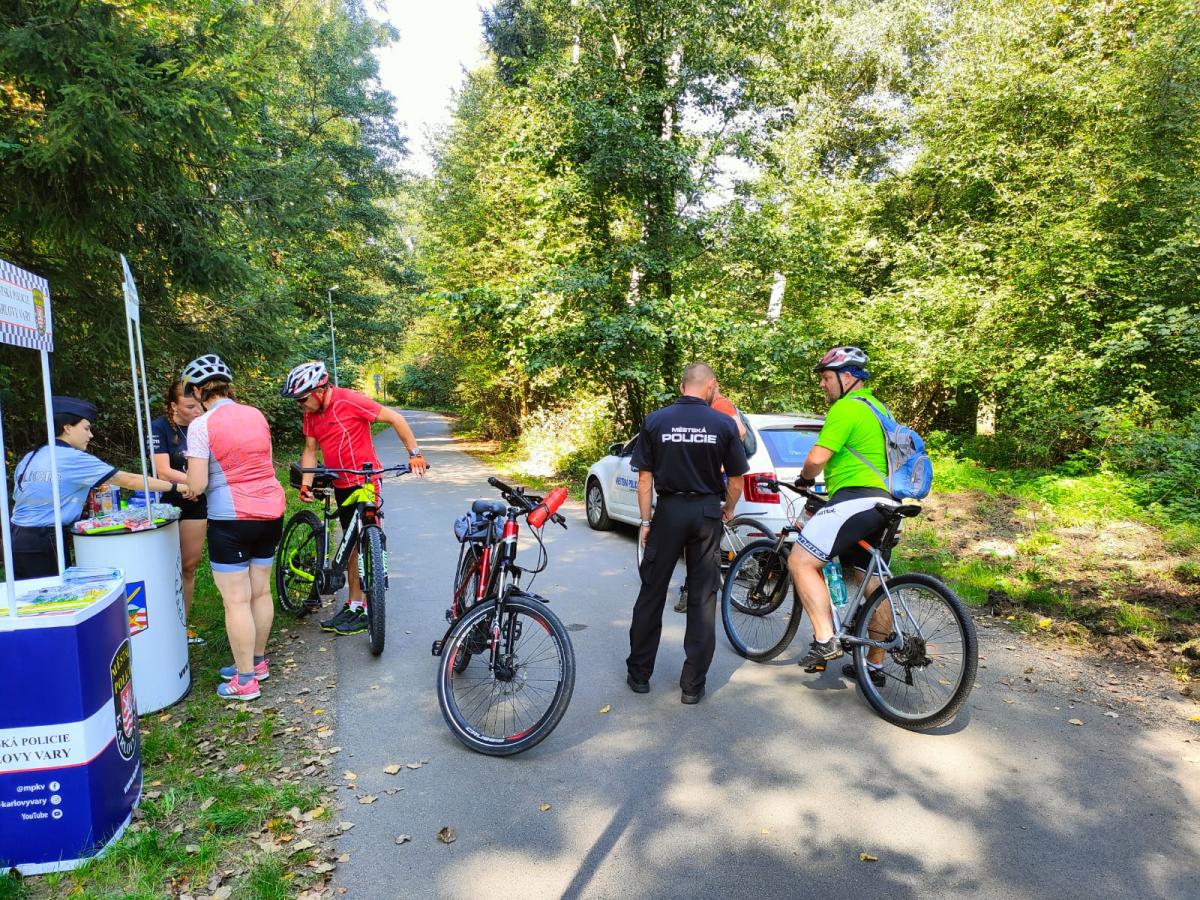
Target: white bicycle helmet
[840, 358]
[304, 379]
[203, 369]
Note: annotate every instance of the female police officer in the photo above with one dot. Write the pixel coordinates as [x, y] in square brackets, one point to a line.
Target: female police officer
[34, 552]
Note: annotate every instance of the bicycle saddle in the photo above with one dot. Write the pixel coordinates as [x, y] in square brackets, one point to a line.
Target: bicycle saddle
[489, 507]
[903, 511]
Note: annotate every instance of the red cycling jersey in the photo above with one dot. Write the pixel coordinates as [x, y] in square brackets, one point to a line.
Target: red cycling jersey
[343, 432]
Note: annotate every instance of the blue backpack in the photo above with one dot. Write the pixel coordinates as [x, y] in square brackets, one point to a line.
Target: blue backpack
[910, 473]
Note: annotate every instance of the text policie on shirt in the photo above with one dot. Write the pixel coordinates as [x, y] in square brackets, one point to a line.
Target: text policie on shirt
[684, 434]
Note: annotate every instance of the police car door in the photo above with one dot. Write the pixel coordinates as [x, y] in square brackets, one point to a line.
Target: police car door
[625, 481]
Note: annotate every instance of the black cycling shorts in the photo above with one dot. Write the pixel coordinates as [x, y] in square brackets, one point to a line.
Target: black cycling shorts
[346, 513]
[188, 509]
[233, 544]
[849, 517]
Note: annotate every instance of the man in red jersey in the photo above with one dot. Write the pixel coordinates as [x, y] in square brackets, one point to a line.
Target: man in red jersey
[337, 423]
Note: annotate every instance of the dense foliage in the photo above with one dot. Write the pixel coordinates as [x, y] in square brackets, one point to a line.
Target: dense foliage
[997, 199]
[241, 155]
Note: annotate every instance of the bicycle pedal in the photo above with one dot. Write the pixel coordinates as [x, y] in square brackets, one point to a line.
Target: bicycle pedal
[816, 668]
[437, 648]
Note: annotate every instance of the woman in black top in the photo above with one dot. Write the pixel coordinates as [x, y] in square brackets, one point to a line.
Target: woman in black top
[168, 439]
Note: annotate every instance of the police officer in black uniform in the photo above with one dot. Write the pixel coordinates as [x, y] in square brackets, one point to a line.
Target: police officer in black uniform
[680, 453]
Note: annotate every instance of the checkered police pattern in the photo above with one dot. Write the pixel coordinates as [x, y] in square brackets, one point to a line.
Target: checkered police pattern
[39, 336]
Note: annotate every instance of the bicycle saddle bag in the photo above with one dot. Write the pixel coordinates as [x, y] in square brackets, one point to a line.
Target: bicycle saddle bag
[473, 528]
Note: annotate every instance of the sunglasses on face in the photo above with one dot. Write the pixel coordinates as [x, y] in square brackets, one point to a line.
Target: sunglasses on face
[300, 401]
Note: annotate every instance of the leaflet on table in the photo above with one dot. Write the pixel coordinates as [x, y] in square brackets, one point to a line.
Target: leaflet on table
[80, 588]
[128, 519]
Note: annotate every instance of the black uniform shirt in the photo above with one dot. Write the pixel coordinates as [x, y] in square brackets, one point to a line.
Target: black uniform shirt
[686, 445]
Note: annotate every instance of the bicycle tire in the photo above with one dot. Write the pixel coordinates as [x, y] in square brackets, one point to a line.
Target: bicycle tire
[885, 700]
[298, 561]
[509, 740]
[374, 579]
[752, 626]
[757, 531]
[468, 570]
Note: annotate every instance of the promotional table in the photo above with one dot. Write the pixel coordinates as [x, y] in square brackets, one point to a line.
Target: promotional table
[150, 560]
[70, 750]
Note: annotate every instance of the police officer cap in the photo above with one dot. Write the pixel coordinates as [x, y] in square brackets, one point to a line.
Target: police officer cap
[73, 406]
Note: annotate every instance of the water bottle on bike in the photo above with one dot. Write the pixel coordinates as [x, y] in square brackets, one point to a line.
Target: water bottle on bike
[835, 583]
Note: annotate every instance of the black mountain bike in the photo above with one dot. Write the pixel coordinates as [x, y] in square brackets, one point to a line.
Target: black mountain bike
[304, 569]
[915, 622]
[507, 666]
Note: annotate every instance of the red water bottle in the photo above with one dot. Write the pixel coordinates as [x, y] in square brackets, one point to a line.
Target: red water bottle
[548, 507]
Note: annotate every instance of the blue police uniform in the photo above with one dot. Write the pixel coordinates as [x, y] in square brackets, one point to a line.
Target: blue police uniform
[34, 552]
[686, 446]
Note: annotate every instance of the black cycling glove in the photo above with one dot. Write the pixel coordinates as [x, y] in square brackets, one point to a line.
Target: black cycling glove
[802, 482]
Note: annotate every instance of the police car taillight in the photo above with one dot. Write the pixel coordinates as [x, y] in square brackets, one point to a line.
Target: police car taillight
[756, 494]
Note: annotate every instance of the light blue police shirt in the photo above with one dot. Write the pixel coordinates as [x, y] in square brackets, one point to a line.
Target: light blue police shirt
[33, 495]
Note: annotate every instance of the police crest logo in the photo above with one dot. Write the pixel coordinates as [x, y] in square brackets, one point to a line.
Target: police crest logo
[124, 702]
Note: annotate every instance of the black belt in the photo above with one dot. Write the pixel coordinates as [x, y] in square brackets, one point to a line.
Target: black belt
[687, 494]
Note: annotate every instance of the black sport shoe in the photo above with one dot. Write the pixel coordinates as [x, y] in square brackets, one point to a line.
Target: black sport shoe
[332, 622]
[681, 603]
[876, 675]
[819, 653]
[355, 622]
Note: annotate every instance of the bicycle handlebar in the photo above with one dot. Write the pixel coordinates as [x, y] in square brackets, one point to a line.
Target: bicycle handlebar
[774, 484]
[399, 469]
[517, 497]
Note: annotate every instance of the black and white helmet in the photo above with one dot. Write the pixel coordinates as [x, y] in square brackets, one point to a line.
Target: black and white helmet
[203, 369]
[304, 379]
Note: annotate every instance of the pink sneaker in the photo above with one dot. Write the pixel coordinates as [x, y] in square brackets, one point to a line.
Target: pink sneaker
[236, 690]
[261, 671]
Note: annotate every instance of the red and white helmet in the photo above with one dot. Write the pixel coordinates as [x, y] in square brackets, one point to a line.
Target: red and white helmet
[844, 358]
[304, 379]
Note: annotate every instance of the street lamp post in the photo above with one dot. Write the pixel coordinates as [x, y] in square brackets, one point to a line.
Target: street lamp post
[332, 338]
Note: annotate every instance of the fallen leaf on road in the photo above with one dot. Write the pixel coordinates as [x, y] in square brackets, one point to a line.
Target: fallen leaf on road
[1112, 715]
[367, 798]
[318, 712]
[314, 813]
[1194, 719]
[391, 791]
[606, 708]
[345, 857]
[543, 807]
[415, 765]
[867, 857]
[391, 769]
[299, 847]
[349, 776]
[322, 868]
[447, 835]
[343, 827]
[1045, 623]
[1010, 701]
[1074, 721]
[403, 838]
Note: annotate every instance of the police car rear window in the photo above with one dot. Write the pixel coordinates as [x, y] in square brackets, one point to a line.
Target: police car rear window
[788, 446]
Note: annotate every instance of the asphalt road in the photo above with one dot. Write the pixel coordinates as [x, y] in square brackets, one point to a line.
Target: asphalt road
[772, 786]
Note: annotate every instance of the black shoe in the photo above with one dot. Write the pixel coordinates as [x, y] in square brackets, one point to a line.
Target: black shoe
[638, 687]
[692, 699]
[355, 622]
[333, 621]
[681, 603]
[876, 675]
[819, 653]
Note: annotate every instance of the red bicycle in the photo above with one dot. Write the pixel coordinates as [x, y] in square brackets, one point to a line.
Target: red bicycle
[507, 665]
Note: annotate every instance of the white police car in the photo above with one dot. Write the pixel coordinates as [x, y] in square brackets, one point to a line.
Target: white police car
[776, 447]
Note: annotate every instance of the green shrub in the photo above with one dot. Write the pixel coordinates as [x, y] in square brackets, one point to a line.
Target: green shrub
[565, 440]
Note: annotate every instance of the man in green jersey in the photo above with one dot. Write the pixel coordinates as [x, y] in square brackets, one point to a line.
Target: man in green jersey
[854, 489]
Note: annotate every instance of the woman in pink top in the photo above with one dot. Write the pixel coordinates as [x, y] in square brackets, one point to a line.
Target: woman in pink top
[229, 458]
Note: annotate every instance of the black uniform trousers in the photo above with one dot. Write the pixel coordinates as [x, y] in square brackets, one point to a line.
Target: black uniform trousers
[682, 522]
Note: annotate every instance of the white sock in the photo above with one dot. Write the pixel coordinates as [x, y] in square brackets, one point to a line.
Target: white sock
[356, 605]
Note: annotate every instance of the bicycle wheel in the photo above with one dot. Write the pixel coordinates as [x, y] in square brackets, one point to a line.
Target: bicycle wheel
[928, 678]
[759, 609]
[466, 590]
[374, 584]
[738, 532]
[514, 706]
[298, 561]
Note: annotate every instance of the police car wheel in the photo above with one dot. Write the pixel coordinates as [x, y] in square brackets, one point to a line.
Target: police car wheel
[597, 512]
